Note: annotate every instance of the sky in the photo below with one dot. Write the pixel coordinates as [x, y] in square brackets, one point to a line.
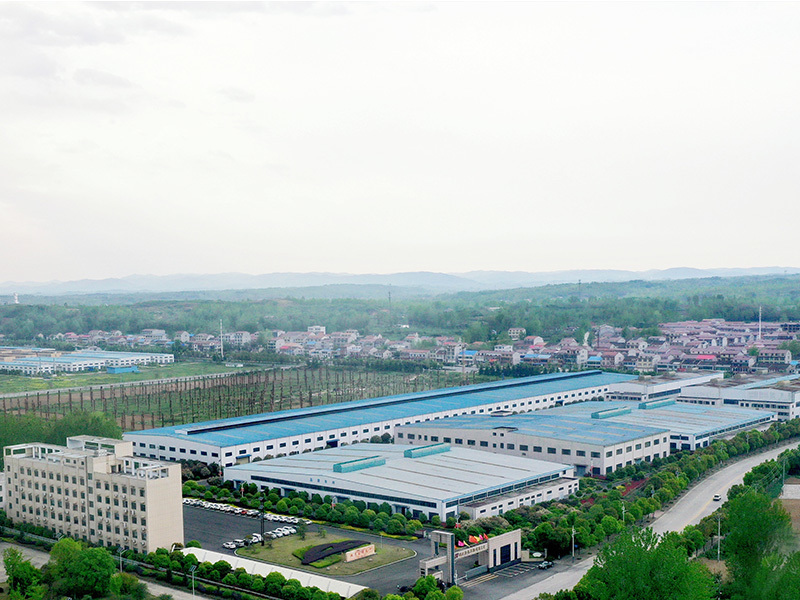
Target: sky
[160, 138]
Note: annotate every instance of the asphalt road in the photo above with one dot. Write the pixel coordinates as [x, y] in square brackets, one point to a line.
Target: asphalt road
[689, 510]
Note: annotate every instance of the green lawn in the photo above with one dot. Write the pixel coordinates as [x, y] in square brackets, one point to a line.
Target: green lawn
[20, 383]
[282, 548]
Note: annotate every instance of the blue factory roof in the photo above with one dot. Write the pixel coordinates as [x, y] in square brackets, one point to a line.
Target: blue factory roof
[265, 426]
[544, 424]
[694, 419]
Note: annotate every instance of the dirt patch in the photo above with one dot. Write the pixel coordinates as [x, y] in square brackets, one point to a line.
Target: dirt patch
[716, 567]
[793, 508]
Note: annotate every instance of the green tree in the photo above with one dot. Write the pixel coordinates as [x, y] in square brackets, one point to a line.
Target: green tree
[758, 527]
[77, 571]
[454, 593]
[21, 574]
[639, 565]
[423, 586]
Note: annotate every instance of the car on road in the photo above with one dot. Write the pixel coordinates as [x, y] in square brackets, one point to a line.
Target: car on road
[229, 545]
[239, 543]
[545, 564]
[717, 497]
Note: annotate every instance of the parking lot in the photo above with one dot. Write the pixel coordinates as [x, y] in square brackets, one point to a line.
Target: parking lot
[213, 527]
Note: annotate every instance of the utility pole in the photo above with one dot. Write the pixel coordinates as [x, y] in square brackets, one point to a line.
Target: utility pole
[221, 342]
[261, 517]
[573, 543]
[719, 534]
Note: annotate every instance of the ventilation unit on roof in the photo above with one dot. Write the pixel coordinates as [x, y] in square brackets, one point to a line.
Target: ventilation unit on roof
[426, 450]
[651, 404]
[359, 463]
[611, 412]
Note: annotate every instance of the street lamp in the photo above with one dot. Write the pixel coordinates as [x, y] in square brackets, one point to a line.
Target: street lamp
[120, 550]
[192, 569]
[261, 517]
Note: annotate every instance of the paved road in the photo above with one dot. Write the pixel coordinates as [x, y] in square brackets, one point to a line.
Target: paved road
[698, 502]
[689, 510]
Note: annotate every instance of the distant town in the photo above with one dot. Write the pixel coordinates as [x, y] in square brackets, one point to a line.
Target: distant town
[710, 345]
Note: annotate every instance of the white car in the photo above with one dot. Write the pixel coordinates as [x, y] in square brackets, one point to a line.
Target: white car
[229, 545]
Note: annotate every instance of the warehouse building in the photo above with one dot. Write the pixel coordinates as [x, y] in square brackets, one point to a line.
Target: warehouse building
[93, 489]
[690, 427]
[779, 395]
[435, 479]
[240, 440]
[592, 446]
[595, 437]
[661, 387]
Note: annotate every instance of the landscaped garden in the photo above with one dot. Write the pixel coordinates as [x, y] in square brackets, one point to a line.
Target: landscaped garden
[290, 551]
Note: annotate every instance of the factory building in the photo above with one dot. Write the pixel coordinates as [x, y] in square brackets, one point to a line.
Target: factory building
[240, 440]
[660, 387]
[779, 395]
[592, 446]
[435, 479]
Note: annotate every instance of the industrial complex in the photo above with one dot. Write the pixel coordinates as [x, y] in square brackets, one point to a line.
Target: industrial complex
[780, 395]
[435, 479]
[595, 437]
[241, 440]
[47, 361]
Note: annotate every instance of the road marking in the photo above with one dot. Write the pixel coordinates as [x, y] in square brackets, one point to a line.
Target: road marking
[479, 580]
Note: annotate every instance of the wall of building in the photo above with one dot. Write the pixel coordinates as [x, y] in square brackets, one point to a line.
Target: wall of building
[585, 457]
[99, 495]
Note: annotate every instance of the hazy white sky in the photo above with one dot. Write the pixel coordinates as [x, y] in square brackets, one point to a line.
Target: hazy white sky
[377, 137]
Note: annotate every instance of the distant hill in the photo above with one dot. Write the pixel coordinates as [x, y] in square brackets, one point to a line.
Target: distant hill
[339, 285]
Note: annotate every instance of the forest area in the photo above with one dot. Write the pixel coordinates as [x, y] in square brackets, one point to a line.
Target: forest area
[550, 311]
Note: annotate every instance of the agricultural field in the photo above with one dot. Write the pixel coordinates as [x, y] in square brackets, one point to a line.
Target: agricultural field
[143, 405]
[19, 383]
[283, 548]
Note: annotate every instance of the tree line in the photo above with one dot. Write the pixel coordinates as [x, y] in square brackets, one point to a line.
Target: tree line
[550, 311]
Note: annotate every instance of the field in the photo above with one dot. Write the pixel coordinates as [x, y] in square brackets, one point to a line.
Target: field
[20, 383]
[282, 548]
[137, 405]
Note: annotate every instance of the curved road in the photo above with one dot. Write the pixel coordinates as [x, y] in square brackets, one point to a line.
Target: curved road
[689, 510]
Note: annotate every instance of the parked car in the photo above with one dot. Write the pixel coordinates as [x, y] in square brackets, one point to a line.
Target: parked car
[229, 545]
[545, 564]
[239, 543]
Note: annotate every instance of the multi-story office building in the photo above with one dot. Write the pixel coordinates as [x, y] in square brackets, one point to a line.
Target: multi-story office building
[94, 489]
